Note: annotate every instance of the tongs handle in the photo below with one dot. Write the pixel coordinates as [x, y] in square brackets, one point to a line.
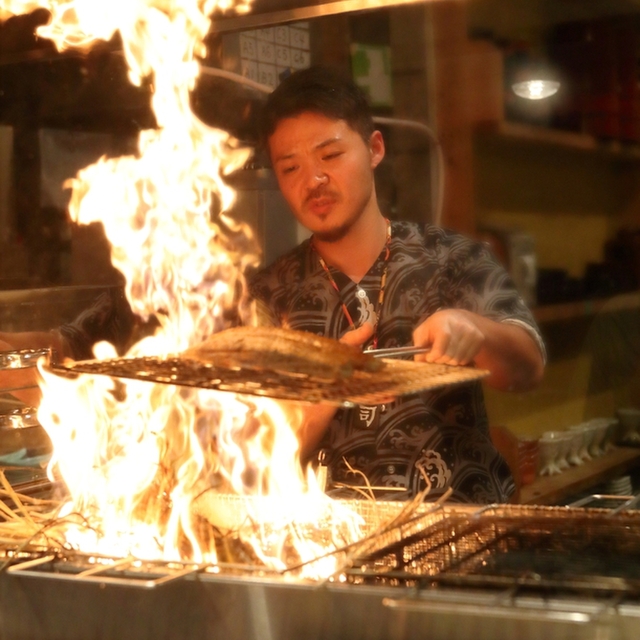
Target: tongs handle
[394, 352]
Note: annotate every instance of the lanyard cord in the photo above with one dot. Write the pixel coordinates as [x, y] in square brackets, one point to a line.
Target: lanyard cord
[383, 283]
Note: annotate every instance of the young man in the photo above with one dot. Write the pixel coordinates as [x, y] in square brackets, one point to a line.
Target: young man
[375, 283]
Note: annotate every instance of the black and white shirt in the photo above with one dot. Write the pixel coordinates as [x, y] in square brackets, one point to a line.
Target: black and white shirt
[443, 432]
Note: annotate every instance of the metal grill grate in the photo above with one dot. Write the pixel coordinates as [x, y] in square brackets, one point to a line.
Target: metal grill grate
[394, 378]
[549, 549]
[541, 547]
[390, 518]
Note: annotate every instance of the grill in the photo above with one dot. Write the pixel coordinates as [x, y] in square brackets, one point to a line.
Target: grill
[418, 572]
[394, 378]
[382, 522]
[437, 572]
[542, 548]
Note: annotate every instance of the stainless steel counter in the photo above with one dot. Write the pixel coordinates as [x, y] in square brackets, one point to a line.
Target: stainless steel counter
[241, 609]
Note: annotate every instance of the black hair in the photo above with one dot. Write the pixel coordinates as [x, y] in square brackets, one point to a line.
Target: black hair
[322, 90]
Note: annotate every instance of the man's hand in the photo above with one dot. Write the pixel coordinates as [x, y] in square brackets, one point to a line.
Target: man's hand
[460, 337]
[453, 338]
[358, 337]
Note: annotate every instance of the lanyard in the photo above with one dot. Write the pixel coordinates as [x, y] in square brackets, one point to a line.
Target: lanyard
[383, 283]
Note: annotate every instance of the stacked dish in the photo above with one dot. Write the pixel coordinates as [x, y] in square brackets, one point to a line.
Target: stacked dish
[620, 486]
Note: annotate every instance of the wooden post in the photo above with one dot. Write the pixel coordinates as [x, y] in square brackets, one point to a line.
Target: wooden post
[430, 75]
[451, 111]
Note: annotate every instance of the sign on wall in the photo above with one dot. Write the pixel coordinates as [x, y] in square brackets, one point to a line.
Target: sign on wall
[268, 55]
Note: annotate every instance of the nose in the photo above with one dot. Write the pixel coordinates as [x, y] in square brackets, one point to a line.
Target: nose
[316, 176]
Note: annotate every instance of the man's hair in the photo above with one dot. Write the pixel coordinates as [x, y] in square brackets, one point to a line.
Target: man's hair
[322, 90]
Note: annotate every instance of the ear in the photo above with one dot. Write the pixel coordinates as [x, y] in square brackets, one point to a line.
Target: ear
[376, 148]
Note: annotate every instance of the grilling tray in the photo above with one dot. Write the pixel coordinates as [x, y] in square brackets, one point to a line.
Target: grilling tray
[284, 364]
[392, 378]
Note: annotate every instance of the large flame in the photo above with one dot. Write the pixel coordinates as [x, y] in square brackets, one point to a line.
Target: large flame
[134, 456]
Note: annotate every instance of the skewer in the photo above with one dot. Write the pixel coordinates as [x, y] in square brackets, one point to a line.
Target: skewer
[396, 351]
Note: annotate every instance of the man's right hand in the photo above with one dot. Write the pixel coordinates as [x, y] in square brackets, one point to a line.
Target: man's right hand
[358, 337]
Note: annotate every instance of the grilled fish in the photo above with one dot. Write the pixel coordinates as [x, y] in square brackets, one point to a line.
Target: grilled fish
[283, 350]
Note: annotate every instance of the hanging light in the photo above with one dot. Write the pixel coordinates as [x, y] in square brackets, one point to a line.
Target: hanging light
[535, 80]
[536, 89]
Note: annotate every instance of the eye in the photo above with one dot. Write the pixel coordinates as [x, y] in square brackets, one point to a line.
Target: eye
[287, 170]
[332, 155]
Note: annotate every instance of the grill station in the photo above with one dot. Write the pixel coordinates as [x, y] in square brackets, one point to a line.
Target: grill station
[418, 571]
[494, 572]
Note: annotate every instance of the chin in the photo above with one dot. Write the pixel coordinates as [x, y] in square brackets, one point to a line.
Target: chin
[332, 235]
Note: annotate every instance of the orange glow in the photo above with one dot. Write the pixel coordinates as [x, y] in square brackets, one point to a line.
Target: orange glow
[137, 457]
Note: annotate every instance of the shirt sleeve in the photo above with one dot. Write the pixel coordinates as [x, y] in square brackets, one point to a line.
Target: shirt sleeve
[109, 318]
[477, 282]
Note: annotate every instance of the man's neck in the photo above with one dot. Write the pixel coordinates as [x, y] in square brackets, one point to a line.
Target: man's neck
[356, 252]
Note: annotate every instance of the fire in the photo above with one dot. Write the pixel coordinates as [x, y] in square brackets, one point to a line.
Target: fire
[145, 463]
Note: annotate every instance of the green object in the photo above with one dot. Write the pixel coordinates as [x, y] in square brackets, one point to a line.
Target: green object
[371, 68]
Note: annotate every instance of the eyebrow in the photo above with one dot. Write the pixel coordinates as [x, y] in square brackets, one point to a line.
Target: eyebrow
[321, 145]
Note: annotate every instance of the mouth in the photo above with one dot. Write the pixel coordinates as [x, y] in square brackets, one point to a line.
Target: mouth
[320, 206]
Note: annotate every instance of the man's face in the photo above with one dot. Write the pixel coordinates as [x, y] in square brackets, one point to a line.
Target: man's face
[325, 172]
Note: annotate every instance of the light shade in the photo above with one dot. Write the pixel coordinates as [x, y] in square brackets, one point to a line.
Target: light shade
[536, 89]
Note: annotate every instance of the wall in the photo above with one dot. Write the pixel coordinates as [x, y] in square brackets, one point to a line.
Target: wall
[593, 369]
[571, 203]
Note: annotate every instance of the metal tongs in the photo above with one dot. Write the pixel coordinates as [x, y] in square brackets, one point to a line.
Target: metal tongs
[396, 352]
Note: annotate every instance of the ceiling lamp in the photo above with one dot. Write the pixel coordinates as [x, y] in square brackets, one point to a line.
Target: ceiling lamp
[536, 88]
[534, 79]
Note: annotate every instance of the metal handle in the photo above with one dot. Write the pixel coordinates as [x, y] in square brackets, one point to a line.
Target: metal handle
[627, 502]
[96, 574]
[508, 612]
[396, 351]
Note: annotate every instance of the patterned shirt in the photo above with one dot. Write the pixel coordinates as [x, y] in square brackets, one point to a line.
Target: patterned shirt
[108, 317]
[442, 433]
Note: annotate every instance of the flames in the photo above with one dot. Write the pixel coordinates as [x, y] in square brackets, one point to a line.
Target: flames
[145, 465]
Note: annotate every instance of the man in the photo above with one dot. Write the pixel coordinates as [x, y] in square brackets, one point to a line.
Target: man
[375, 283]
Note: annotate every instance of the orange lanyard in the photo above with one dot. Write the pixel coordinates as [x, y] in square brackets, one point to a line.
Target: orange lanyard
[383, 283]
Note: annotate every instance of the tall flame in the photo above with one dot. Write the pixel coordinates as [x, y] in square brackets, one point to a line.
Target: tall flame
[134, 456]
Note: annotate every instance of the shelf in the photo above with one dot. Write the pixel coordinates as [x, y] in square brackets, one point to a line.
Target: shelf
[586, 308]
[556, 138]
[554, 489]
